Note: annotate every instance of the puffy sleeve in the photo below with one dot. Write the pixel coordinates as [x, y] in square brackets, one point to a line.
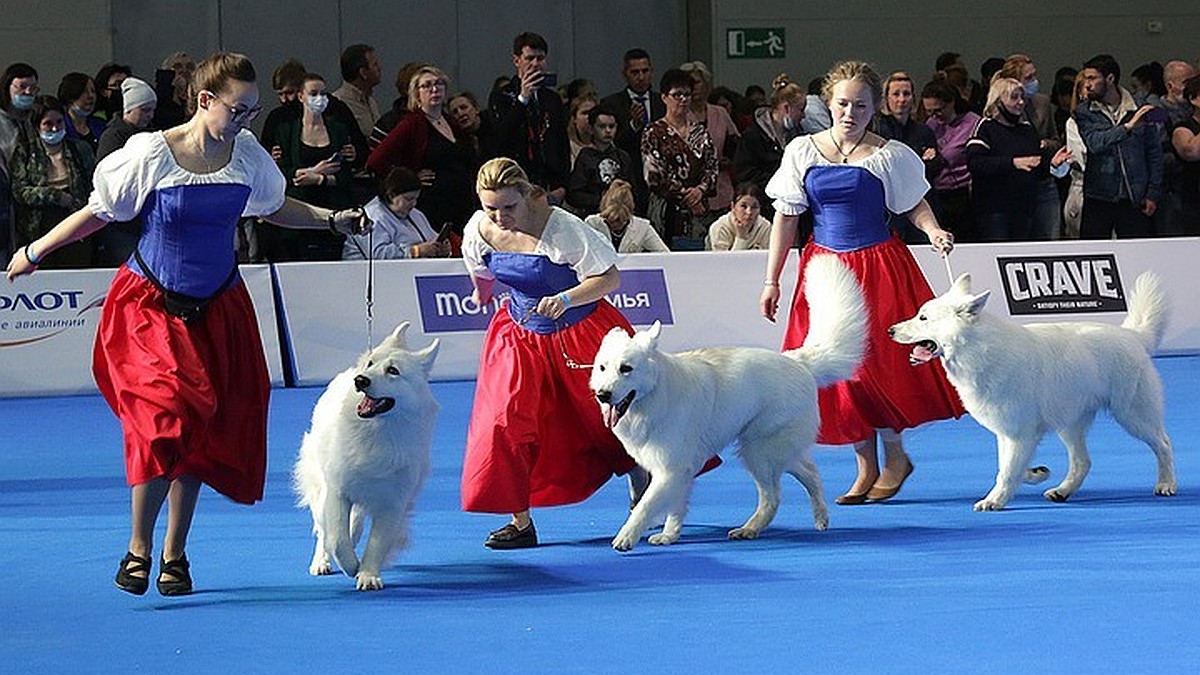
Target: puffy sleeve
[568, 240]
[786, 187]
[125, 177]
[903, 175]
[474, 248]
[267, 184]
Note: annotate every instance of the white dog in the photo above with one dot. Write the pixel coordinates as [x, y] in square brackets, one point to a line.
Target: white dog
[367, 454]
[674, 411]
[1020, 381]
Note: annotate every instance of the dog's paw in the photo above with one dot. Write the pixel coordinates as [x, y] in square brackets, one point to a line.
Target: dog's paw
[821, 521]
[662, 539]
[1055, 495]
[743, 533]
[623, 542]
[1037, 474]
[1165, 489]
[368, 582]
[988, 505]
[318, 569]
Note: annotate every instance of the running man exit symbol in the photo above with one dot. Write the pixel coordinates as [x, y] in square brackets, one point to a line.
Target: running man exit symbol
[755, 43]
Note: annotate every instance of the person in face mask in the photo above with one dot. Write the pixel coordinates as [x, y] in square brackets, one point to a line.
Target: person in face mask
[51, 178]
[1039, 111]
[115, 243]
[312, 154]
[18, 86]
[760, 151]
[1007, 164]
[77, 91]
[108, 89]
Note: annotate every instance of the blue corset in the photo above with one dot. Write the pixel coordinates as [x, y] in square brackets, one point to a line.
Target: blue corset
[187, 236]
[531, 278]
[848, 208]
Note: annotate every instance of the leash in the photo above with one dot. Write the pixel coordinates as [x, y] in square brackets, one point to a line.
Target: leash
[949, 272]
[571, 363]
[369, 256]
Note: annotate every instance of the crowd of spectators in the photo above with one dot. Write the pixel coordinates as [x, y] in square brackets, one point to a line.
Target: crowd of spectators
[680, 167]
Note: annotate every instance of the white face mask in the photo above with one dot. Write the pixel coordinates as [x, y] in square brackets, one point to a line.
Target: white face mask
[1030, 87]
[788, 122]
[317, 103]
[53, 137]
[22, 101]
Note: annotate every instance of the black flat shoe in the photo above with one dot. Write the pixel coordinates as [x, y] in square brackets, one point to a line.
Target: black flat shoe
[125, 580]
[511, 537]
[179, 581]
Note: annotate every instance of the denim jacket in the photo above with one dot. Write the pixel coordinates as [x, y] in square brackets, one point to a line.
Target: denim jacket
[1120, 164]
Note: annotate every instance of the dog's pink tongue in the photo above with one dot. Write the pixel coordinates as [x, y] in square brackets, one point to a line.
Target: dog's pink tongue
[920, 354]
[365, 405]
[608, 411]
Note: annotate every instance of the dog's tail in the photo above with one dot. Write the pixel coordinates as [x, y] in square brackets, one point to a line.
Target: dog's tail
[1148, 310]
[837, 326]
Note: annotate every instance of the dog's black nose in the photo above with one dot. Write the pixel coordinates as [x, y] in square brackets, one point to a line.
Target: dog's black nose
[604, 396]
[361, 382]
[891, 331]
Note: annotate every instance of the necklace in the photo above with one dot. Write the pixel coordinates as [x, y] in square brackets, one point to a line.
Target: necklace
[200, 153]
[838, 146]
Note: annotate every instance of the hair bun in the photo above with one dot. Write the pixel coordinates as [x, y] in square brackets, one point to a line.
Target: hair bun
[781, 80]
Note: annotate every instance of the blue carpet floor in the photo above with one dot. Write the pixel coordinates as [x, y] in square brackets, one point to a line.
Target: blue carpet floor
[921, 584]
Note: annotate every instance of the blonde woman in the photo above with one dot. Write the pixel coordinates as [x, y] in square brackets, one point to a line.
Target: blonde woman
[629, 233]
[425, 141]
[178, 355]
[536, 437]
[851, 178]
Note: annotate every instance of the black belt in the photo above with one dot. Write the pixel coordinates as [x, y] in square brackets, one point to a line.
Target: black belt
[177, 304]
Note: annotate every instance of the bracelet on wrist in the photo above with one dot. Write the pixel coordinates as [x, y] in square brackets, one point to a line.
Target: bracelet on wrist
[768, 282]
[33, 259]
[566, 299]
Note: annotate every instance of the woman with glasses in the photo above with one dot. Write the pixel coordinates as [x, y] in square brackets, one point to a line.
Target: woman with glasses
[108, 89]
[311, 149]
[725, 136]
[178, 356]
[426, 142]
[680, 165]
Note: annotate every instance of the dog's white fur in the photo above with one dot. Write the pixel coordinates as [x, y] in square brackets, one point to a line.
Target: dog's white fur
[674, 411]
[1021, 381]
[363, 458]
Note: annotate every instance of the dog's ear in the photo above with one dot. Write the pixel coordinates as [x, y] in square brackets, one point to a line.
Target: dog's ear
[974, 305]
[397, 335]
[428, 355]
[962, 284]
[654, 331]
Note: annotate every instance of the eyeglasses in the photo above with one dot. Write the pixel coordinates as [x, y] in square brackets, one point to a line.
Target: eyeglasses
[680, 95]
[238, 115]
[435, 84]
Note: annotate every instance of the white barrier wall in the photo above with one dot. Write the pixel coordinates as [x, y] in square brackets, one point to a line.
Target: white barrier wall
[47, 321]
[48, 324]
[707, 299]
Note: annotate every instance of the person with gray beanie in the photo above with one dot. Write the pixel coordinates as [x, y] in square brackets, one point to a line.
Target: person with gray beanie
[115, 243]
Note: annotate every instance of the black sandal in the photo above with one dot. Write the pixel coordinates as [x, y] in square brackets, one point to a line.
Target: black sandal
[182, 582]
[126, 580]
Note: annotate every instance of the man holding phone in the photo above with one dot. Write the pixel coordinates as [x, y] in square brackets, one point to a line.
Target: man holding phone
[1123, 179]
[530, 121]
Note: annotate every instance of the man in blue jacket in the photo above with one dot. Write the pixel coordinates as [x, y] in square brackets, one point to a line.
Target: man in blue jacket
[1122, 183]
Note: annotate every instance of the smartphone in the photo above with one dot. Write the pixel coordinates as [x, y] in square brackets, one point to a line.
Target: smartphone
[335, 157]
[445, 232]
[549, 80]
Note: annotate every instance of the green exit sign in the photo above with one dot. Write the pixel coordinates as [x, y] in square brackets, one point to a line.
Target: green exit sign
[755, 43]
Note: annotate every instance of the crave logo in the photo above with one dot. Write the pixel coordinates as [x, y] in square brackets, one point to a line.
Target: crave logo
[446, 305]
[30, 317]
[1068, 284]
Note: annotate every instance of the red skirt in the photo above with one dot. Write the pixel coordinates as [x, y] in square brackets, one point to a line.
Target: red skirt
[536, 437]
[886, 392]
[192, 398]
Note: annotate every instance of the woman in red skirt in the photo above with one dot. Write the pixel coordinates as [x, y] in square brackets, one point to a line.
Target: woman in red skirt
[851, 179]
[536, 437]
[178, 355]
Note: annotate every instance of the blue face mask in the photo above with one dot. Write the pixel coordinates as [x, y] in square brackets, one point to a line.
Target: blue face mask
[22, 101]
[1030, 87]
[317, 103]
[53, 137]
